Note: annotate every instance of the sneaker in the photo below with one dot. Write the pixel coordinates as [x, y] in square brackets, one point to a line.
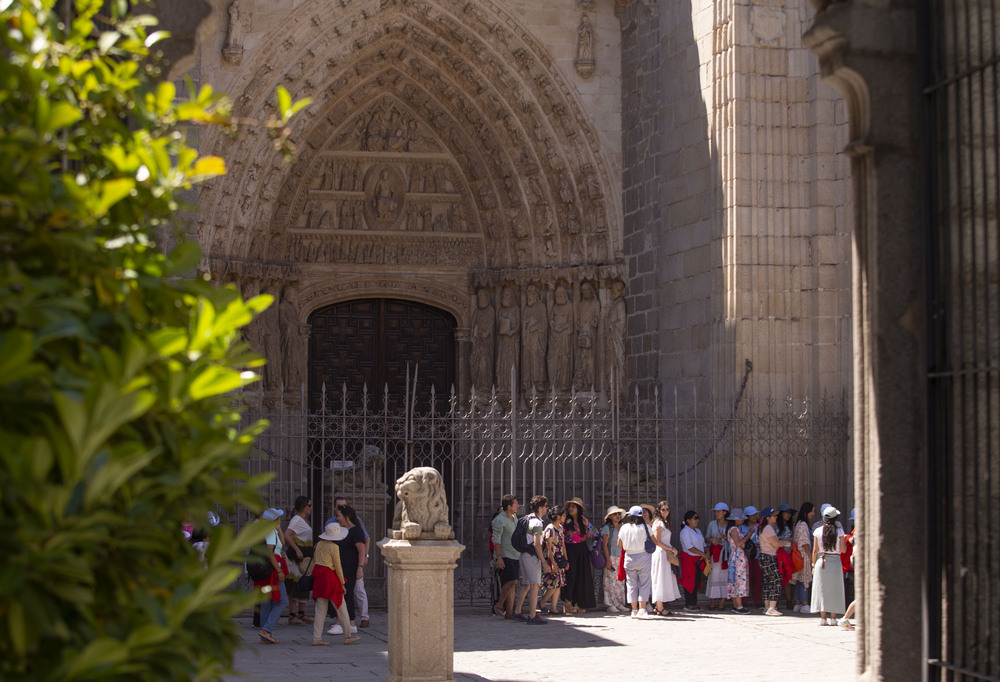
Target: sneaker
[335, 629]
[643, 615]
[537, 620]
[612, 609]
[772, 612]
[742, 610]
[692, 608]
[796, 608]
[822, 621]
[845, 624]
[635, 614]
[520, 616]
[805, 609]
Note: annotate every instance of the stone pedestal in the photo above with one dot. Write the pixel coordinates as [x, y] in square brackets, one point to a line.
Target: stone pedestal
[420, 584]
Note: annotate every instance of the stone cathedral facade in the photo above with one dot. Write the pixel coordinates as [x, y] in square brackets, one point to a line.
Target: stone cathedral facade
[602, 196]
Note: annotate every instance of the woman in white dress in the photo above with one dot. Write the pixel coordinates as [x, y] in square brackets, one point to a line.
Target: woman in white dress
[715, 537]
[828, 573]
[665, 587]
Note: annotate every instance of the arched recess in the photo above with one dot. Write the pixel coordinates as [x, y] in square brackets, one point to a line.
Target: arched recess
[481, 101]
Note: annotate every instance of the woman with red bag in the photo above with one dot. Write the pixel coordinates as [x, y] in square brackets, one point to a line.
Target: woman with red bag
[328, 584]
[693, 558]
[802, 537]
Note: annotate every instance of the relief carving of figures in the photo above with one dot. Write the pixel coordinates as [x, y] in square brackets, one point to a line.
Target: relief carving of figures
[584, 61]
[347, 215]
[561, 341]
[508, 336]
[483, 331]
[293, 351]
[384, 204]
[270, 340]
[587, 321]
[534, 338]
[615, 331]
[565, 191]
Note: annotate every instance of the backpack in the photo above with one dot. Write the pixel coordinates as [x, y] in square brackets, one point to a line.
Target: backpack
[259, 562]
[519, 539]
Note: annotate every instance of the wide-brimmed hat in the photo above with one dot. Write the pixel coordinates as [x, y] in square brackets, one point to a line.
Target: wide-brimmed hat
[767, 511]
[577, 501]
[831, 512]
[722, 506]
[614, 510]
[272, 514]
[784, 507]
[634, 510]
[736, 514]
[750, 510]
[333, 532]
[650, 508]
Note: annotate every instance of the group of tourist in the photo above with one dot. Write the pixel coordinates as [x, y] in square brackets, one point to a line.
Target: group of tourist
[746, 556]
[334, 566]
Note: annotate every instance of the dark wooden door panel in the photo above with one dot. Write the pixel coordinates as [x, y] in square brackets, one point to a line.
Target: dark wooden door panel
[372, 342]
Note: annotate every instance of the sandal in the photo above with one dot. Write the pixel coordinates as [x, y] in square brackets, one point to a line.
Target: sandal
[294, 619]
[304, 618]
[266, 636]
[352, 640]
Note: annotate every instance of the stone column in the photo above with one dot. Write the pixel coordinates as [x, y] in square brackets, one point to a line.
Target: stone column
[420, 585]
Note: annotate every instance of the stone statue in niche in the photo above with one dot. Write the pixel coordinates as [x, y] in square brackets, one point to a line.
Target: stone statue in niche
[232, 51]
[560, 358]
[483, 332]
[293, 352]
[534, 338]
[383, 202]
[270, 340]
[508, 335]
[587, 321]
[584, 62]
[384, 198]
[614, 334]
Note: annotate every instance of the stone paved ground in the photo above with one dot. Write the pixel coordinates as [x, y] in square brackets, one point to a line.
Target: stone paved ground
[592, 646]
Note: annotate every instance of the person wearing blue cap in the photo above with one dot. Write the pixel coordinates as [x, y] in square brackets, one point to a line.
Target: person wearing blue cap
[632, 538]
[718, 584]
[275, 594]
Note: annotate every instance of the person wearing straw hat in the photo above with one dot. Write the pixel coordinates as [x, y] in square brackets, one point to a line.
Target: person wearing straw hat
[328, 584]
[578, 595]
[715, 536]
[738, 581]
[828, 576]
[614, 589]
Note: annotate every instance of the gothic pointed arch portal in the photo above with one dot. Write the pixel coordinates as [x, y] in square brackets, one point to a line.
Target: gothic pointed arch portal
[445, 153]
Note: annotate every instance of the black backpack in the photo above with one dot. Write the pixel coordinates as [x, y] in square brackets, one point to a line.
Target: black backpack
[259, 562]
[519, 540]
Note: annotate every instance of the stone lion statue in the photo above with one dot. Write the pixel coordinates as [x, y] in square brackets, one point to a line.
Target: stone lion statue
[422, 510]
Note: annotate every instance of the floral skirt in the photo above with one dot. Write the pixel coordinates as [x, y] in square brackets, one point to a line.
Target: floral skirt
[614, 589]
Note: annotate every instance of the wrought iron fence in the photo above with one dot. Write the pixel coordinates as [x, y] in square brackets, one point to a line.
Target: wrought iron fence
[768, 452]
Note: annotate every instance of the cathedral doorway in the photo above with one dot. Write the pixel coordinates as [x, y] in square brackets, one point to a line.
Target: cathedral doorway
[374, 343]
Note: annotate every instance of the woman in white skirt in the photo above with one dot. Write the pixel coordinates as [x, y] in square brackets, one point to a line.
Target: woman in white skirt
[715, 537]
[664, 582]
[828, 575]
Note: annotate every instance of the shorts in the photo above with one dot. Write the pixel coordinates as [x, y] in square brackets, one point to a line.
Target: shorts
[531, 569]
[510, 570]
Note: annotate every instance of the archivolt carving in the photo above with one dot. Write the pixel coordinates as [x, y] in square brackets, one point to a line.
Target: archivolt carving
[469, 73]
[413, 288]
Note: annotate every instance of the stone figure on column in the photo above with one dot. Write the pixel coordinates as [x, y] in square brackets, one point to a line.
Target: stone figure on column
[561, 341]
[534, 339]
[588, 320]
[584, 62]
[251, 332]
[293, 355]
[232, 51]
[508, 338]
[614, 334]
[270, 338]
[483, 332]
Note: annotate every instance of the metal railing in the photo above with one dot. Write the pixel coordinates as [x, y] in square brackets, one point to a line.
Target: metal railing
[767, 453]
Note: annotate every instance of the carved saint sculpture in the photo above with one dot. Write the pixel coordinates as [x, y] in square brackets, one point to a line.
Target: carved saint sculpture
[232, 50]
[587, 321]
[293, 352]
[270, 339]
[614, 333]
[384, 204]
[508, 335]
[534, 339]
[584, 62]
[483, 331]
[560, 357]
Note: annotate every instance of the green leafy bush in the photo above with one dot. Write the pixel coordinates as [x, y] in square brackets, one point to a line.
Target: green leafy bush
[116, 363]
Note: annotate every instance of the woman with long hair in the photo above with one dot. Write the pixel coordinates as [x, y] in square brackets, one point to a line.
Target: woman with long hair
[802, 537]
[715, 537]
[828, 575]
[770, 575]
[784, 531]
[693, 557]
[664, 583]
[578, 594]
[752, 549]
[298, 546]
[739, 584]
[554, 550]
[614, 589]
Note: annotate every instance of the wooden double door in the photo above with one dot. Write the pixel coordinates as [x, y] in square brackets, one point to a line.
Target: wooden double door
[373, 342]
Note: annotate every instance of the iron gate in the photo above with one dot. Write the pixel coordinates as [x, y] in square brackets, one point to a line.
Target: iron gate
[962, 176]
[766, 453]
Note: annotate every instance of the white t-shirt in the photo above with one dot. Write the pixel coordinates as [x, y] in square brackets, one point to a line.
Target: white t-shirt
[535, 528]
[301, 529]
[633, 537]
[818, 535]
